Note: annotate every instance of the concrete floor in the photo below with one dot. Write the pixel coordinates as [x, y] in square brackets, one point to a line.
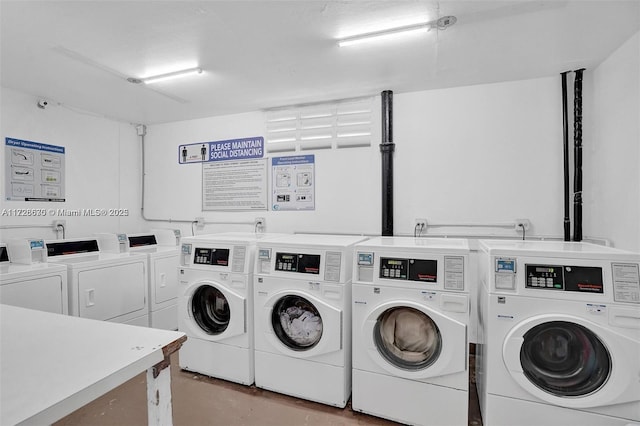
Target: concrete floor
[202, 400]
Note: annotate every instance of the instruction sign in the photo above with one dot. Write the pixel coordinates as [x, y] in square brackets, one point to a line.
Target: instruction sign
[293, 182]
[235, 185]
[233, 149]
[34, 171]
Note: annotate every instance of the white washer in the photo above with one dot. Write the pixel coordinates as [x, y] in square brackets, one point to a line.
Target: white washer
[103, 286]
[411, 310]
[33, 284]
[559, 336]
[215, 307]
[302, 316]
[162, 248]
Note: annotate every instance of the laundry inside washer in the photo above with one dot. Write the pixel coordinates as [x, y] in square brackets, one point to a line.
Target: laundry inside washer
[300, 323]
[407, 338]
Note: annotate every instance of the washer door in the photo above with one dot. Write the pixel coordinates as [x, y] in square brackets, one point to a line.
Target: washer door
[410, 340]
[302, 325]
[216, 312]
[568, 361]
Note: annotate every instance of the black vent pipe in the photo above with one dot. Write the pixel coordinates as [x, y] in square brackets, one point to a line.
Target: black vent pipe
[577, 144]
[386, 148]
[565, 140]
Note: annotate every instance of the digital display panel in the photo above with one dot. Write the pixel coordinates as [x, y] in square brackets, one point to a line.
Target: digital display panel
[583, 279]
[423, 270]
[394, 268]
[211, 256]
[297, 262]
[545, 276]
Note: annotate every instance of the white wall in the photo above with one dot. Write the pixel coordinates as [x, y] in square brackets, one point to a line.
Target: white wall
[347, 182]
[486, 154]
[478, 154]
[102, 167]
[612, 148]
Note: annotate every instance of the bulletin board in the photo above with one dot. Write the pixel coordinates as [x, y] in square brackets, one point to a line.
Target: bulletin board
[293, 183]
[34, 171]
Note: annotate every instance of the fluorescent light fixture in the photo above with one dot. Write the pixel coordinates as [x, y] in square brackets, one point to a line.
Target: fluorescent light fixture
[397, 32]
[167, 76]
[383, 35]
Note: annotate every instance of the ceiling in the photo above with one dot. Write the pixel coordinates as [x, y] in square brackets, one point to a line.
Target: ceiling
[264, 54]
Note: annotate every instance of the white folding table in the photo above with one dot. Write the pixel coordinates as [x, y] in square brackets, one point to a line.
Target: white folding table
[51, 364]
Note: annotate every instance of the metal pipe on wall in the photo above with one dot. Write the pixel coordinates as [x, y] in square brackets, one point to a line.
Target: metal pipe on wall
[386, 148]
[577, 143]
[565, 139]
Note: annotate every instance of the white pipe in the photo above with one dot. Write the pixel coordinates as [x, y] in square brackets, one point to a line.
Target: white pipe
[473, 225]
[25, 226]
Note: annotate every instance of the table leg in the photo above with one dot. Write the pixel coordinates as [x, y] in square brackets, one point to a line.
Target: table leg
[160, 411]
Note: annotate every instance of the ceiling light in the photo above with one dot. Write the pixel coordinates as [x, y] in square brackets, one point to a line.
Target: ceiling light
[441, 24]
[167, 76]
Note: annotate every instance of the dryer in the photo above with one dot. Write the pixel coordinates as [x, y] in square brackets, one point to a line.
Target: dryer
[102, 286]
[215, 308]
[559, 337]
[411, 309]
[162, 249]
[302, 302]
[29, 281]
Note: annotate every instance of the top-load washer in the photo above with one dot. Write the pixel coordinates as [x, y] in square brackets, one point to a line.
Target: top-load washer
[215, 307]
[411, 309]
[559, 336]
[302, 303]
[28, 281]
[162, 248]
[103, 286]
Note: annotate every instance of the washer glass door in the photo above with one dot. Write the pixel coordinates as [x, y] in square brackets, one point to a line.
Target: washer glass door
[296, 322]
[564, 359]
[210, 309]
[407, 338]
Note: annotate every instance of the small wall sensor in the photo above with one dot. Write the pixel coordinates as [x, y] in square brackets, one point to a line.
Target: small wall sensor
[42, 103]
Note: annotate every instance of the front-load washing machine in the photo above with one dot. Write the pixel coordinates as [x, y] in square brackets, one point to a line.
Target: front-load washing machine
[28, 281]
[559, 336]
[215, 309]
[103, 286]
[411, 309]
[162, 248]
[302, 303]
